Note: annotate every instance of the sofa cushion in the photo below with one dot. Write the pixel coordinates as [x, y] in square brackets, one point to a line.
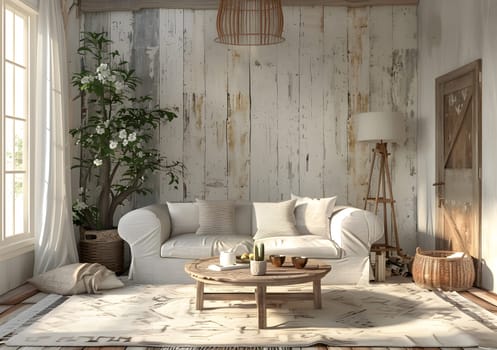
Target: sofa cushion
[184, 217]
[193, 246]
[311, 246]
[275, 219]
[312, 216]
[216, 217]
[243, 218]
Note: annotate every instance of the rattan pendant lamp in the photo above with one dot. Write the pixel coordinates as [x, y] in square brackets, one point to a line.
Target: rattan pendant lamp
[249, 22]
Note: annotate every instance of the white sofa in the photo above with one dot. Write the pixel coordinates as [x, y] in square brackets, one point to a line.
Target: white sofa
[163, 239]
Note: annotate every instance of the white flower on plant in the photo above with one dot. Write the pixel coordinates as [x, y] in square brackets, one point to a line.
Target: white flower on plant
[123, 134]
[102, 68]
[132, 137]
[99, 130]
[125, 142]
[139, 145]
[87, 79]
[97, 162]
[78, 141]
[140, 154]
[112, 144]
[103, 72]
[79, 205]
[119, 85]
[106, 123]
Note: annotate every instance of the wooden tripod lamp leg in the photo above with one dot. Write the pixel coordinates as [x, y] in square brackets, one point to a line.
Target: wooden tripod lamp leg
[392, 206]
[369, 180]
[381, 189]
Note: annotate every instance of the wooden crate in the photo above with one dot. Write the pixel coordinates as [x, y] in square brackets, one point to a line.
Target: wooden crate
[432, 270]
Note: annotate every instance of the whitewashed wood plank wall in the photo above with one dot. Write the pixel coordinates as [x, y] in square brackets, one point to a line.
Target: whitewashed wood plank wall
[259, 123]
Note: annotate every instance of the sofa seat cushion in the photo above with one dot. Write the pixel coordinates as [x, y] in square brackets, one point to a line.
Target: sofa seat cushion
[311, 246]
[193, 246]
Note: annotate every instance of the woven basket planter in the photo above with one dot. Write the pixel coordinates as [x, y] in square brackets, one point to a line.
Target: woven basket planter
[104, 247]
[432, 270]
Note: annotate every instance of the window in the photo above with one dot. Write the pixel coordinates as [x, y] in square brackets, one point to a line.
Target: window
[16, 100]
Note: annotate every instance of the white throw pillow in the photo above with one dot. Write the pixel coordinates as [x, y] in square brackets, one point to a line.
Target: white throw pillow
[184, 217]
[216, 217]
[275, 219]
[313, 215]
[76, 279]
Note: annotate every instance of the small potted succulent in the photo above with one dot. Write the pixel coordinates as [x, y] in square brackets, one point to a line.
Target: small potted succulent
[257, 261]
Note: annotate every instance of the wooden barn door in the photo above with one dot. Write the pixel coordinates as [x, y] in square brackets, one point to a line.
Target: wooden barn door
[458, 154]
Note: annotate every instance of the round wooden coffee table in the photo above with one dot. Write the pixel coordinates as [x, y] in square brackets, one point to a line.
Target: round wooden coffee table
[275, 276]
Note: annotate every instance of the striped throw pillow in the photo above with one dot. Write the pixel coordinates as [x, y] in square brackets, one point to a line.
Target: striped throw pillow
[216, 217]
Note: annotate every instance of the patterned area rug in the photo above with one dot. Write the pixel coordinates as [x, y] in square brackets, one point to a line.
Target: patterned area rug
[378, 315]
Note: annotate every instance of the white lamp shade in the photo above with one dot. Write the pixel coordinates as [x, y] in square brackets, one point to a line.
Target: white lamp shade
[379, 126]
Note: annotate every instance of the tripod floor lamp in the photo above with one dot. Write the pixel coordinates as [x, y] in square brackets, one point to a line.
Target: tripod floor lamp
[381, 128]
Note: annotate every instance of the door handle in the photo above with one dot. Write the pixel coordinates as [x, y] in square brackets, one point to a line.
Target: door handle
[441, 199]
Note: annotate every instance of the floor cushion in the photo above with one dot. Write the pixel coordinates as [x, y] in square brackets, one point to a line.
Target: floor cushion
[76, 279]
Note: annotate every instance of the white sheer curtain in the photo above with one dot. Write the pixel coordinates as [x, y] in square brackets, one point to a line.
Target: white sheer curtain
[55, 243]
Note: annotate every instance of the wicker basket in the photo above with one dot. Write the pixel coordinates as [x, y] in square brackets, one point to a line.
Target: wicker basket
[104, 247]
[432, 270]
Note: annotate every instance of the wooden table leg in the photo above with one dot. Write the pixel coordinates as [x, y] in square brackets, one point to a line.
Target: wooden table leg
[199, 304]
[260, 299]
[316, 289]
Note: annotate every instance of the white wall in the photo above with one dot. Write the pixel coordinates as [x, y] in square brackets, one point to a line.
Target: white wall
[15, 271]
[451, 34]
[260, 123]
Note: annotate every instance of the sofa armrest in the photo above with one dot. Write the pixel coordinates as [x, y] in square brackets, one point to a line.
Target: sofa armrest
[355, 230]
[145, 229]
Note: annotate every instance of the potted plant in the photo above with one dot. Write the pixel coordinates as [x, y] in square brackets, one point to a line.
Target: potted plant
[115, 133]
[258, 262]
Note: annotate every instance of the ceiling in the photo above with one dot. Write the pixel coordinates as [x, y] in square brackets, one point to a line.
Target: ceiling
[123, 5]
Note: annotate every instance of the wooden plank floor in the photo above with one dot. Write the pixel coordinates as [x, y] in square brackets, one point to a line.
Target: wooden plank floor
[23, 297]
